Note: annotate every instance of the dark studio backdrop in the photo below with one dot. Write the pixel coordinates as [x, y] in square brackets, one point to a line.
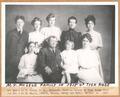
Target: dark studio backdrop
[105, 24]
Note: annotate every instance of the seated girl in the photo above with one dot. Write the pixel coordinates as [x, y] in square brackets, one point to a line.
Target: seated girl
[27, 66]
[69, 63]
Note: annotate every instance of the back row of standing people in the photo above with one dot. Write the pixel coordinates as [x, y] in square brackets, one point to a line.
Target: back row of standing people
[17, 39]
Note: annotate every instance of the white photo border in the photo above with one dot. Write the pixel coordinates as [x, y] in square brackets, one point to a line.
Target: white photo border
[3, 27]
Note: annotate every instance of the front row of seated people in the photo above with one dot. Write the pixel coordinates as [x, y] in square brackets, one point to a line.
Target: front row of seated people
[69, 66]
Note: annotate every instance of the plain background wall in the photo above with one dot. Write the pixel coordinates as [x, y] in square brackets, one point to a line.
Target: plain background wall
[104, 24]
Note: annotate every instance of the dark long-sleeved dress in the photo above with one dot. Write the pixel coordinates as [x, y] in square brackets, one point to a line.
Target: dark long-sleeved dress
[72, 35]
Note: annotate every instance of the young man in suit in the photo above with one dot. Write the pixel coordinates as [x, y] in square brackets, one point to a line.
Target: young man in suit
[49, 61]
[16, 41]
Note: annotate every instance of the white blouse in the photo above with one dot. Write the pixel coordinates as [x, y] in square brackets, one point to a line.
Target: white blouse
[51, 31]
[96, 39]
[89, 62]
[27, 65]
[36, 37]
[87, 58]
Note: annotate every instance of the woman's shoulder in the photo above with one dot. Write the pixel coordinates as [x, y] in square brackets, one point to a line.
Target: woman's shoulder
[80, 53]
[84, 32]
[44, 28]
[97, 32]
[31, 33]
[56, 27]
[79, 50]
[67, 51]
[94, 32]
[63, 52]
[24, 56]
[35, 34]
[84, 51]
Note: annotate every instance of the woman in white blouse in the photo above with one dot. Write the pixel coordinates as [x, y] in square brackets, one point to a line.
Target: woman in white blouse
[36, 36]
[51, 29]
[27, 66]
[89, 62]
[96, 43]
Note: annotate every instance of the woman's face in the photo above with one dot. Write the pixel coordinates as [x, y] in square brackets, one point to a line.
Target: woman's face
[72, 23]
[85, 43]
[31, 47]
[51, 21]
[90, 25]
[37, 25]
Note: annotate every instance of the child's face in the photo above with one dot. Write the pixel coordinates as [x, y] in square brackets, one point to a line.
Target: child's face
[69, 45]
[31, 47]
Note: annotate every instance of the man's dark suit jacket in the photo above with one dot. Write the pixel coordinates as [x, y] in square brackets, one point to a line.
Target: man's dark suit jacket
[53, 60]
[71, 35]
[15, 45]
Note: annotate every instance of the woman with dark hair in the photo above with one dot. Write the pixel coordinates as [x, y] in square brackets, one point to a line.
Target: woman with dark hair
[36, 36]
[71, 34]
[96, 43]
[89, 63]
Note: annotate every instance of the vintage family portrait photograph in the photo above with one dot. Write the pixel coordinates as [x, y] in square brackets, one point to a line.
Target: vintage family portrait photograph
[59, 43]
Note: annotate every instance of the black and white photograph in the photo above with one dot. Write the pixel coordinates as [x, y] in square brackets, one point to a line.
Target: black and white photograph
[60, 43]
